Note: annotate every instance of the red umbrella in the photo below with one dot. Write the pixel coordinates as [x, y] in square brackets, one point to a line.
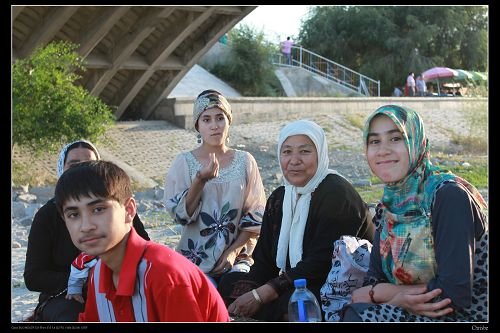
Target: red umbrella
[439, 72]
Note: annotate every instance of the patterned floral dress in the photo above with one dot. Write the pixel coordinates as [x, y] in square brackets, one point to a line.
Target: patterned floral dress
[231, 202]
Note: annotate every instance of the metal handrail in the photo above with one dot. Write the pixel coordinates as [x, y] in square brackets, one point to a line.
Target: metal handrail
[330, 70]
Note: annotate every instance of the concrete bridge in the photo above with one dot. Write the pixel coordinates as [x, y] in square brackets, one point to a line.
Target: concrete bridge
[135, 55]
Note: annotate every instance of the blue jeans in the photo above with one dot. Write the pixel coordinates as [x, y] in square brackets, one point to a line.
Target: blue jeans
[288, 58]
[241, 266]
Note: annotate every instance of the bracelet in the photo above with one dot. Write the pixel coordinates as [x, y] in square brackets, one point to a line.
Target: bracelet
[256, 296]
[371, 293]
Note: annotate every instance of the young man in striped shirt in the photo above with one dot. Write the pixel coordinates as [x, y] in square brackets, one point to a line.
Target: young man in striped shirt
[134, 280]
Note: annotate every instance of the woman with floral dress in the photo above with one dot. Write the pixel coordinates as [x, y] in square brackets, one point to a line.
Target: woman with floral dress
[215, 193]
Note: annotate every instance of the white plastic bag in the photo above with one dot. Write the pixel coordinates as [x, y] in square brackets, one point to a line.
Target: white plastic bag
[350, 261]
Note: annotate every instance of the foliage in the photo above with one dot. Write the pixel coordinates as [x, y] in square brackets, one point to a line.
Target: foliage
[475, 170]
[49, 108]
[356, 120]
[371, 194]
[248, 68]
[479, 90]
[388, 42]
[477, 175]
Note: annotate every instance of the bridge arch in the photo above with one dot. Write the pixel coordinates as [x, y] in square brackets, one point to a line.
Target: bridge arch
[135, 55]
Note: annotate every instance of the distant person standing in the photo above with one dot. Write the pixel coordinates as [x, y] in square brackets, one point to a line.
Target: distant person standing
[410, 83]
[286, 49]
[421, 86]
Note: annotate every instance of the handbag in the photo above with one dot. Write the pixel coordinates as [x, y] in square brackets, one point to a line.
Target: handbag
[37, 315]
[350, 261]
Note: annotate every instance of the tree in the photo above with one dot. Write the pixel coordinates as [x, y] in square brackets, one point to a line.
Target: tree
[249, 68]
[388, 42]
[49, 109]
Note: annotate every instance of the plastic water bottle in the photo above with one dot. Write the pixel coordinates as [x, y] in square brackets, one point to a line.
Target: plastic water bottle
[303, 305]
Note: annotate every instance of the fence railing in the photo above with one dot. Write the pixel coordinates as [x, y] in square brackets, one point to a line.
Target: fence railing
[330, 70]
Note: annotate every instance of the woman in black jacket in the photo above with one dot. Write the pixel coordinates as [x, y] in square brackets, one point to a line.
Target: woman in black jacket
[302, 219]
[50, 249]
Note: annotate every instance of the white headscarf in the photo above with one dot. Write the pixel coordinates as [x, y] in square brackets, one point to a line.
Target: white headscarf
[294, 220]
[64, 151]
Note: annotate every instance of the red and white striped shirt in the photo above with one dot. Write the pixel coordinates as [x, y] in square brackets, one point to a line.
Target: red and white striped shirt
[155, 284]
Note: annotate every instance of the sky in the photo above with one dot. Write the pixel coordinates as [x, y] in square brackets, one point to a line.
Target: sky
[276, 21]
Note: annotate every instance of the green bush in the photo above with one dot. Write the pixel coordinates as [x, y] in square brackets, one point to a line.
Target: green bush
[49, 109]
[248, 68]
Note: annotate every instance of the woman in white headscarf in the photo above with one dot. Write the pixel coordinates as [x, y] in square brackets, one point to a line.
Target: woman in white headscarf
[50, 250]
[302, 220]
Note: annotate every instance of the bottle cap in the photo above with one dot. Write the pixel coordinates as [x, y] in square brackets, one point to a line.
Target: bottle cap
[300, 283]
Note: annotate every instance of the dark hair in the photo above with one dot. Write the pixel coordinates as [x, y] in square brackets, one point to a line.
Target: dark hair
[209, 91]
[102, 179]
[79, 144]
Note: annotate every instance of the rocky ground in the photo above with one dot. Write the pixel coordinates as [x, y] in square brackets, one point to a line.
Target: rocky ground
[145, 150]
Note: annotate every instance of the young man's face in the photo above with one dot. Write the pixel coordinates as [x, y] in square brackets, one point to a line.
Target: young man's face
[97, 225]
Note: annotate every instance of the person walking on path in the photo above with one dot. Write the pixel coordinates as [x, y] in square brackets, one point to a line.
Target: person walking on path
[410, 83]
[421, 86]
[286, 50]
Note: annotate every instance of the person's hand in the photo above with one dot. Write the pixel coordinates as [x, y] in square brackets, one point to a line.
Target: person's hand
[225, 263]
[211, 170]
[244, 306]
[76, 297]
[418, 301]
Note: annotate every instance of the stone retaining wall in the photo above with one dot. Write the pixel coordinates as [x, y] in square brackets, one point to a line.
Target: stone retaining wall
[262, 109]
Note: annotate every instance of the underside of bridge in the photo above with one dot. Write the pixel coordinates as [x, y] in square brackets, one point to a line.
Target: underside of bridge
[135, 55]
